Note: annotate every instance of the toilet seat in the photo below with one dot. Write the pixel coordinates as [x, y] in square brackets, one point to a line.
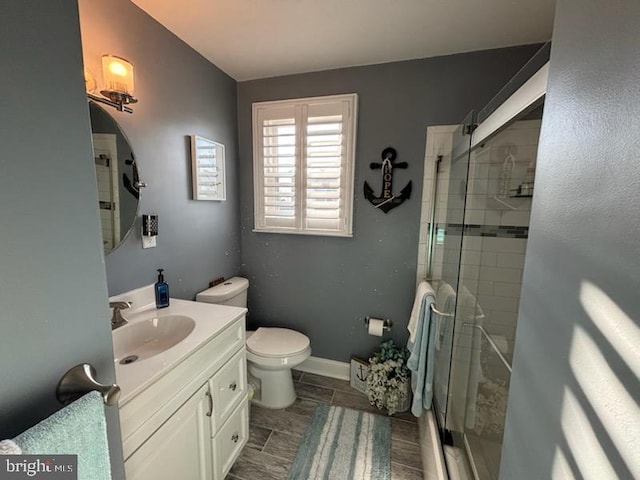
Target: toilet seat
[273, 342]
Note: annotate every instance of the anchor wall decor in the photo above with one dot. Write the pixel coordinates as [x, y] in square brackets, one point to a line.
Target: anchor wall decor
[387, 200]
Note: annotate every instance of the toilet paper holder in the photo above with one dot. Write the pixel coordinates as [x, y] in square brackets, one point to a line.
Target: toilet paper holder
[387, 324]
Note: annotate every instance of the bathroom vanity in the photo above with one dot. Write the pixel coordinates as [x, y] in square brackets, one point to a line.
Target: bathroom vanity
[184, 407]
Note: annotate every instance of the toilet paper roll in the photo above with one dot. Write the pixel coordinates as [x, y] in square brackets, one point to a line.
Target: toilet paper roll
[376, 327]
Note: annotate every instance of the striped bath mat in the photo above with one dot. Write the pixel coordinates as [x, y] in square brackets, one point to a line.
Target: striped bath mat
[344, 444]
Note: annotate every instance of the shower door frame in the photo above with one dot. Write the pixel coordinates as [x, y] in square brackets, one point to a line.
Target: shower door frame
[518, 103]
[463, 144]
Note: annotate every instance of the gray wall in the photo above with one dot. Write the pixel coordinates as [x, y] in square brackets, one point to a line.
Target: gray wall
[325, 286]
[574, 389]
[53, 292]
[180, 93]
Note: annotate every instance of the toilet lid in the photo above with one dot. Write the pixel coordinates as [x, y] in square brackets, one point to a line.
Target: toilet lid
[275, 342]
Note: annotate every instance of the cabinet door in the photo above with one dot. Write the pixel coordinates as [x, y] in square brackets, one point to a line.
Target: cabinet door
[228, 386]
[180, 448]
[228, 442]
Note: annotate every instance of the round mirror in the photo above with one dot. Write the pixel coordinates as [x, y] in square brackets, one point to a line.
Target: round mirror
[117, 177]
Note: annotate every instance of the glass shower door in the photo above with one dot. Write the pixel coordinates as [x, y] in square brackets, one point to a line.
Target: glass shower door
[501, 188]
[446, 236]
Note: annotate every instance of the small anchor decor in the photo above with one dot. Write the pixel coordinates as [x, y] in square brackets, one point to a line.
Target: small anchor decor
[387, 200]
[359, 372]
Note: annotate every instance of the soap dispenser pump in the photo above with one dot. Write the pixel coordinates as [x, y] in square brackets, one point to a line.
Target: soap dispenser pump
[162, 291]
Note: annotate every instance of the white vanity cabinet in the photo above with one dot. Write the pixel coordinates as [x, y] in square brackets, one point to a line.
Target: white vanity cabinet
[179, 449]
[192, 422]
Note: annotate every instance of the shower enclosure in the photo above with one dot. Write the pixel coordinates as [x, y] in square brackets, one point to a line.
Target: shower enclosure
[481, 182]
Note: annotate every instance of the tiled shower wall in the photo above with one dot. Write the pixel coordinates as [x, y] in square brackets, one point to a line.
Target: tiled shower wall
[496, 226]
[439, 140]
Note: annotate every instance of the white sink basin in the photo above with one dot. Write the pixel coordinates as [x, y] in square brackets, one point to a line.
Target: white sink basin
[161, 339]
[144, 339]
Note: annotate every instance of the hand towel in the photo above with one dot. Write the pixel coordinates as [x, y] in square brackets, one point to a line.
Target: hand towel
[78, 429]
[421, 359]
[423, 289]
[9, 447]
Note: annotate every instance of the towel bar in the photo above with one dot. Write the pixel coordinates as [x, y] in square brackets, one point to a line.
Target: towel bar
[480, 316]
[80, 380]
[491, 342]
[438, 312]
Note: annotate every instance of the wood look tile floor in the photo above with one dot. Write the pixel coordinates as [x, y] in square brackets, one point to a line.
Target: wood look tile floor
[274, 435]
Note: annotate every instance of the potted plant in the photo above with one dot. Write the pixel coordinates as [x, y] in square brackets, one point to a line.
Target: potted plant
[388, 382]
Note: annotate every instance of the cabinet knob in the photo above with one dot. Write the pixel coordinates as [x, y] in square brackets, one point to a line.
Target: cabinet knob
[235, 438]
[233, 387]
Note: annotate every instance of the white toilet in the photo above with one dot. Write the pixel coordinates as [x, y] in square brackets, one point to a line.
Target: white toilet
[271, 352]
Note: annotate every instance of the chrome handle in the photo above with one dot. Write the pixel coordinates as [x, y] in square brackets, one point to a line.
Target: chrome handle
[438, 312]
[235, 438]
[210, 398]
[233, 387]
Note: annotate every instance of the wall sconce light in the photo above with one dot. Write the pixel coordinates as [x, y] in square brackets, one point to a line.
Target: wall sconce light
[117, 77]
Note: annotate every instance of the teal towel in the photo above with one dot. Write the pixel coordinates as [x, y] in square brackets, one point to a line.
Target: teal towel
[420, 360]
[78, 429]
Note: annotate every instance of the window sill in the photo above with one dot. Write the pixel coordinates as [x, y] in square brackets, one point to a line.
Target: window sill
[303, 232]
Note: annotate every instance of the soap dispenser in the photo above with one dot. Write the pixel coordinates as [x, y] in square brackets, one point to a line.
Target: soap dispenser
[162, 291]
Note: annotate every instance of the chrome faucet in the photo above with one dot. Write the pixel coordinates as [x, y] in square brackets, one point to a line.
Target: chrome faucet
[116, 318]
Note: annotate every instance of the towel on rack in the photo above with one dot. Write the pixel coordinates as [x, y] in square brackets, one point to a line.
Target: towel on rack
[78, 429]
[446, 303]
[420, 361]
[423, 289]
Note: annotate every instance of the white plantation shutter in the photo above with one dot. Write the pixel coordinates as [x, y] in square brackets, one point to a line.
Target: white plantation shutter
[278, 148]
[303, 165]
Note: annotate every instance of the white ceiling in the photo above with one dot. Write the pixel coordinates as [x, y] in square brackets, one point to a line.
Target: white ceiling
[251, 39]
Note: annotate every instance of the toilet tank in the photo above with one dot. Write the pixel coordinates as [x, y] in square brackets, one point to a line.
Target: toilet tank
[230, 292]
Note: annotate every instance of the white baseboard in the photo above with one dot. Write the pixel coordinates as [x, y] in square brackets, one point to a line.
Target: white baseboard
[326, 368]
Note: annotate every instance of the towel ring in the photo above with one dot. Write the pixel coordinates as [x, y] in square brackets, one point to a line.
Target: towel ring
[80, 380]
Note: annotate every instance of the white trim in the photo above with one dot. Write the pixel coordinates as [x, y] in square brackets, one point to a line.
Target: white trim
[295, 231]
[307, 100]
[470, 458]
[326, 368]
[349, 105]
[532, 90]
[433, 463]
[442, 128]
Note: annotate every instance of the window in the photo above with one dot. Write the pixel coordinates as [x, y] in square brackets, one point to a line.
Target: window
[303, 163]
